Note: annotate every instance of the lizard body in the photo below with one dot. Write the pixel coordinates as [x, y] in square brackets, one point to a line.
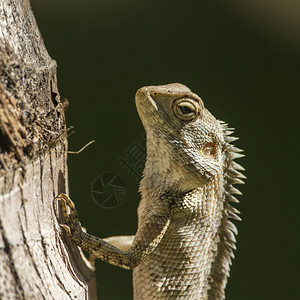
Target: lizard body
[184, 242]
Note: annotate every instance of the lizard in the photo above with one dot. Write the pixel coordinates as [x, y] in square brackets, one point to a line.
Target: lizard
[185, 240]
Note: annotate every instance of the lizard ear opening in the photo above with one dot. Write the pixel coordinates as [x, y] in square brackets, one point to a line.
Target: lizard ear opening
[209, 149]
[186, 109]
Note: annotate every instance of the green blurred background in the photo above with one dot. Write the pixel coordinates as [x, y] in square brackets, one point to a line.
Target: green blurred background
[242, 58]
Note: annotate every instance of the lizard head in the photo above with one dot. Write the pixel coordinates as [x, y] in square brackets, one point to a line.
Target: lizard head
[184, 141]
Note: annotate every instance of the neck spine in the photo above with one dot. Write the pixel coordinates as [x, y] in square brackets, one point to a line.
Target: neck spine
[227, 230]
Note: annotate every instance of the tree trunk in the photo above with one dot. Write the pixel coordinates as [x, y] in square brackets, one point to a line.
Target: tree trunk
[36, 259]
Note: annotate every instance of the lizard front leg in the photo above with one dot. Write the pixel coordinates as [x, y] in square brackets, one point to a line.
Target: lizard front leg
[145, 241]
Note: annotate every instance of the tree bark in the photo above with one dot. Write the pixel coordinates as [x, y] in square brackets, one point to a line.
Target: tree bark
[36, 260]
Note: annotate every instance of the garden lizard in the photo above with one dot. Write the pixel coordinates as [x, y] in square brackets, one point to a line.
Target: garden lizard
[185, 240]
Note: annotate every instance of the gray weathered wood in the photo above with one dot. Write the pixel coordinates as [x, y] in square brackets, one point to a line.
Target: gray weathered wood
[35, 262]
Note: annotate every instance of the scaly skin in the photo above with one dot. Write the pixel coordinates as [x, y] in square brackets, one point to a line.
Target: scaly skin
[184, 242]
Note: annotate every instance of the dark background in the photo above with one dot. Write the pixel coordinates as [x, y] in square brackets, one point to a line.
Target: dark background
[244, 63]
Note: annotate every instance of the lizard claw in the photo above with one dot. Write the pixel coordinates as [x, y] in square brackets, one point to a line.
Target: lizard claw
[72, 226]
[68, 206]
[64, 198]
[66, 228]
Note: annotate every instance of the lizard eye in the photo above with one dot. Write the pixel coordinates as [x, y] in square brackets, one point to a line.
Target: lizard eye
[185, 109]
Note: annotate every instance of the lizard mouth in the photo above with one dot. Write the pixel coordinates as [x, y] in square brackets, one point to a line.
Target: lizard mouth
[143, 97]
[151, 100]
[146, 106]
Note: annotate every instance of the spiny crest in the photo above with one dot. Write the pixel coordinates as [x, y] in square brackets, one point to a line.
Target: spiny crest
[228, 230]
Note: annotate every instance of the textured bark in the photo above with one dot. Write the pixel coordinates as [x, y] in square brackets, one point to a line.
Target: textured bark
[35, 262]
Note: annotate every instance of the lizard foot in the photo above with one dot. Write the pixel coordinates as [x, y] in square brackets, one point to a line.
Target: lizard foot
[72, 225]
